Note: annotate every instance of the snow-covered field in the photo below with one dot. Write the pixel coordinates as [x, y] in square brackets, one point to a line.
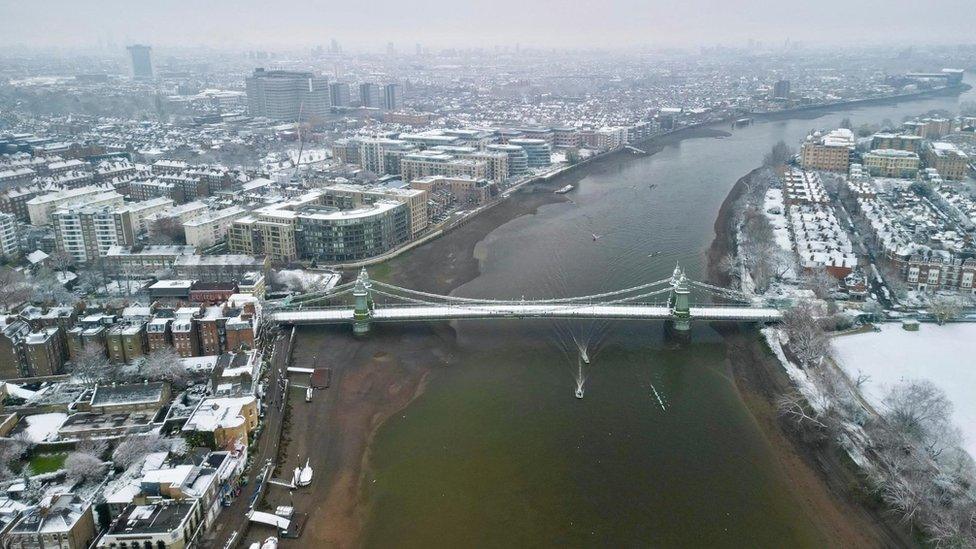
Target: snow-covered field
[944, 355]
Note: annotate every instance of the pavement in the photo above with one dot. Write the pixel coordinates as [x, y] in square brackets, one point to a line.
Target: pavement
[233, 519]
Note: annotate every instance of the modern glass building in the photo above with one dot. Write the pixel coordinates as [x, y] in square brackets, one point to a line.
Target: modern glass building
[141, 61]
[334, 235]
[282, 95]
[518, 160]
[537, 151]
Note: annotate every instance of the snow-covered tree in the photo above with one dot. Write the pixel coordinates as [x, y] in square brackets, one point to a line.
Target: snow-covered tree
[47, 289]
[135, 447]
[92, 366]
[921, 412]
[165, 364]
[820, 282]
[83, 467]
[11, 449]
[807, 340]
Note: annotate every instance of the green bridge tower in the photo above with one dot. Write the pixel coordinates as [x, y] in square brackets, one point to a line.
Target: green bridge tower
[680, 301]
[363, 310]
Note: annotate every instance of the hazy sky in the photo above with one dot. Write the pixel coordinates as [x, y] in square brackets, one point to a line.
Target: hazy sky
[370, 24]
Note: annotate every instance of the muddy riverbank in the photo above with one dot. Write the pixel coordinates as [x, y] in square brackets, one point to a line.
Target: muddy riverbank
[825, 482]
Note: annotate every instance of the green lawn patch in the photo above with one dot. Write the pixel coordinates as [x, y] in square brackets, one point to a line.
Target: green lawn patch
[47, 463]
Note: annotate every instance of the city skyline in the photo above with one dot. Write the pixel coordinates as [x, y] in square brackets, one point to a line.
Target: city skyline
[622, 23]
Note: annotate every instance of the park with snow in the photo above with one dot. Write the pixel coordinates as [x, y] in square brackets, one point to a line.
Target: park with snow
[944, 355]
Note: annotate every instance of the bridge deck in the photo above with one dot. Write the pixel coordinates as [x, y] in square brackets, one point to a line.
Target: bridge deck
[487, 311]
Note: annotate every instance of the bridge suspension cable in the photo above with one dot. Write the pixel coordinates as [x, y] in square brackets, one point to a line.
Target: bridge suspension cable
[534, 301]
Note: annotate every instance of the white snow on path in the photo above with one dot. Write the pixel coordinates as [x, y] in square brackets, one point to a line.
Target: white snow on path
[944, 355]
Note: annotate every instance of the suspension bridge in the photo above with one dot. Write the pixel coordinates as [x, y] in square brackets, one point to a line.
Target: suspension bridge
[665, 299]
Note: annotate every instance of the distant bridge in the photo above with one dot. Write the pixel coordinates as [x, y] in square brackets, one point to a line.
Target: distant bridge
[635, 303]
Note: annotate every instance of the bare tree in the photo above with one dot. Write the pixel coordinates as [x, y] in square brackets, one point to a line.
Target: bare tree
[781, 153]
[167, 230]
[807, 340]
[61, 260]
[920, 412]
[793, 407]
[820, 282]
[945, 308]
[13, 288]
[92, 366]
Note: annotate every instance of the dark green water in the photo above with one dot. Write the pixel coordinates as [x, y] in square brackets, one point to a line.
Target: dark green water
[499, 453]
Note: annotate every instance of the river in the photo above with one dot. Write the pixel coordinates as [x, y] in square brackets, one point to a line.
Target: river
[498, 452]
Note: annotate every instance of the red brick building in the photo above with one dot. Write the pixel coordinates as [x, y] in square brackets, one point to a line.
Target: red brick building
[212, 292]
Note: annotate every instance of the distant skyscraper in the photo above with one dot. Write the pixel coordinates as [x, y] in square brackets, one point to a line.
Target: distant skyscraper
[334, 47]
[781, 89]
[141, 61]
[281, 95]
[419, 50]
[339, 93]
[391, 97]
[390, 50]
[369, 95]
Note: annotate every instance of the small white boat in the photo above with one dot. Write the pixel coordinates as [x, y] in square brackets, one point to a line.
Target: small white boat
[564, 190]
[305, 475]
[270, 543]
[308, 394]
[579, 392]
[255, 545]
[584, 355]
[296, 475]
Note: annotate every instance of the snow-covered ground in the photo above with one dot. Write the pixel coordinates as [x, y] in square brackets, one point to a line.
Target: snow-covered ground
[18, 391]
[775, 209]
[944, 355]
[42, 426]
[306, 281]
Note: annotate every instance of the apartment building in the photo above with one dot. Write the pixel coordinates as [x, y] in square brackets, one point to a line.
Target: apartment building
[351, 196]
[42, 206]
[204, 231]
[897, 141]
[831, 152]
[9, 237]
[950, 162]
[425, 163]
[891, 163]
[86, 233]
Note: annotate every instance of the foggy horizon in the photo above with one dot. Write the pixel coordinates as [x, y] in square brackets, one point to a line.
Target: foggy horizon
[546, 24]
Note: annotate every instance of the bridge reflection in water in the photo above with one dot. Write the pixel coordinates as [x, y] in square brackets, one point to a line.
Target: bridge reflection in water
[635, 303]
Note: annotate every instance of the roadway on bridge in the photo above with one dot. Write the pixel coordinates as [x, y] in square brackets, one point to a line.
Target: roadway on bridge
[489, 311]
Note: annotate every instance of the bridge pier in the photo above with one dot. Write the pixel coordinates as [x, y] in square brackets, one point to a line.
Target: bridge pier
[363, 310]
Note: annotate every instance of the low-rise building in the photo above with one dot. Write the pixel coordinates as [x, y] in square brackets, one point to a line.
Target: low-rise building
[167, 524]
[891, 163]
[62, 521]
[204, 231]
[223, 422]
